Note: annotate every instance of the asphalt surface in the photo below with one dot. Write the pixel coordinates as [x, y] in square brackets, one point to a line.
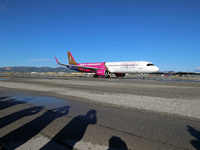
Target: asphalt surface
[71, 114]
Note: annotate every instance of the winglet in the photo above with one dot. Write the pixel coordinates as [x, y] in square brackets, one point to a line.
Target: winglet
[57, 60]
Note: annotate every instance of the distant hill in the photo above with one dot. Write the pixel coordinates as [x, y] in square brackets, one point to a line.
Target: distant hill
[35, 69]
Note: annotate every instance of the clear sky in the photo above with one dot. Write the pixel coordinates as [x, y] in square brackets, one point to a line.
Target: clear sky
[165, 32]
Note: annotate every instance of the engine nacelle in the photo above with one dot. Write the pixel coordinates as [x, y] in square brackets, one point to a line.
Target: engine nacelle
[103, 72]
[120, 74]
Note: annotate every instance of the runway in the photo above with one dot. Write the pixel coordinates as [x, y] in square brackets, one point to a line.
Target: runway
[138, 114]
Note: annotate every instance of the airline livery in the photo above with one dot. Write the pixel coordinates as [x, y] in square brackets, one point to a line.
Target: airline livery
[106, 68]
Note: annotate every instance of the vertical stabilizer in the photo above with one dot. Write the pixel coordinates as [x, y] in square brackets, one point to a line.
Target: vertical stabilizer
[71, 59]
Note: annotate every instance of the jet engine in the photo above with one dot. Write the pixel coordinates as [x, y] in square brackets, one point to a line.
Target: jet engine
[120, 74]
[102, 72]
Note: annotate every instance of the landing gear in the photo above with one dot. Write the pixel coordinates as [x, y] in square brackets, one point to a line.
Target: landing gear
[95, 76]
[142, 76]
[108, 76]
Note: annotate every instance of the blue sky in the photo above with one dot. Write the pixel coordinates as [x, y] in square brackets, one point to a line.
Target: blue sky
[165, 32]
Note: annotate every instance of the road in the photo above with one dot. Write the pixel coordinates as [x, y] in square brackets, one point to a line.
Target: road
[72, 113]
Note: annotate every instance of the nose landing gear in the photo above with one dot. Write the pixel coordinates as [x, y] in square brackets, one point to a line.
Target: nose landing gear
[142, 76]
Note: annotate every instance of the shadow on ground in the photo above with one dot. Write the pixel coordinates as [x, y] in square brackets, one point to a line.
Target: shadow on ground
[195, 133]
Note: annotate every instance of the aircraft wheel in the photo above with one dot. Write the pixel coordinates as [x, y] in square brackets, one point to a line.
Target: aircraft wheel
[95, 76]
[108, 76]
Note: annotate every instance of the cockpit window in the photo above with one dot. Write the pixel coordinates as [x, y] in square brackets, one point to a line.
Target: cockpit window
[150, 64]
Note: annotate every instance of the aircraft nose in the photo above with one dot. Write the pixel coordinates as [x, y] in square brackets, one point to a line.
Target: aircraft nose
[156, 69]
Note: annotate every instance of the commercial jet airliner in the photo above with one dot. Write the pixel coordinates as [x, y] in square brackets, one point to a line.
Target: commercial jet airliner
[106, 68]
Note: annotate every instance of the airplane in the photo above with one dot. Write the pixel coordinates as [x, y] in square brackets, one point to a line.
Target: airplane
[106, 68]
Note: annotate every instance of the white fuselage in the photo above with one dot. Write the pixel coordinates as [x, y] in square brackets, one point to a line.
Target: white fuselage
[131, 67]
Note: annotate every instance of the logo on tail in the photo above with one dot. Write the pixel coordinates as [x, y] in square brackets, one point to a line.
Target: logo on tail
[71, 59]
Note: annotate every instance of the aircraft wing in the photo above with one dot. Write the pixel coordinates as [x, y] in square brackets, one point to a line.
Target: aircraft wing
[76, 66]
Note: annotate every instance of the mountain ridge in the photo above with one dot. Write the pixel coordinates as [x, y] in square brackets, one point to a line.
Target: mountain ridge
[34, 69]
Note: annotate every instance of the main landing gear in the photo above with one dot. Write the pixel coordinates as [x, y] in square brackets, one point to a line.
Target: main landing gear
[96, 76]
